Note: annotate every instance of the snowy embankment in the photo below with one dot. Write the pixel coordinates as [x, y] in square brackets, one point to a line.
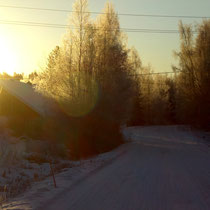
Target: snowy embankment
[31, 184]
[23, 162]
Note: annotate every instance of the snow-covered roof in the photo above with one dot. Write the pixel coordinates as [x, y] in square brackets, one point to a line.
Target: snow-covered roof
[26, 94]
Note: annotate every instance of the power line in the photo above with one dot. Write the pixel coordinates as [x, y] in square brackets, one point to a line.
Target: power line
[120, 14]
[62, 26]
[25, 23]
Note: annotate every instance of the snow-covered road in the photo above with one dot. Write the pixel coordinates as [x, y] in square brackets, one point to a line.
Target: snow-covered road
[163, 168]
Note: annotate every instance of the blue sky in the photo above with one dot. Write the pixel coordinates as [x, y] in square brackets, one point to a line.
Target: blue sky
[31, 45]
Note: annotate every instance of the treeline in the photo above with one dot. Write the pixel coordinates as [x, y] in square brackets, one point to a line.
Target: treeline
[183, 97]
[193, 81]
[15, 76]
[100, 84]
[90, 75]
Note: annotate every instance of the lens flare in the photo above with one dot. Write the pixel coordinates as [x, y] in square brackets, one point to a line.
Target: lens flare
[84, 98]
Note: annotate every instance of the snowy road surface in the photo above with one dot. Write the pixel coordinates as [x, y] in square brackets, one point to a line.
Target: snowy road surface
[164, 168]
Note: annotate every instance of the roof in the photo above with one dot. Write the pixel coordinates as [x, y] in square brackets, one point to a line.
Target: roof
[26, 94]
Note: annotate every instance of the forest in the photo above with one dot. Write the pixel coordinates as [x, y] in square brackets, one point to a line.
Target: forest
[101, 84]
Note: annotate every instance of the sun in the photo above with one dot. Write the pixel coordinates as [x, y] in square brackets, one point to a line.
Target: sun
[8, 57]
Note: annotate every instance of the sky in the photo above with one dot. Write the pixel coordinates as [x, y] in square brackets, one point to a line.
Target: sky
[24, 49]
